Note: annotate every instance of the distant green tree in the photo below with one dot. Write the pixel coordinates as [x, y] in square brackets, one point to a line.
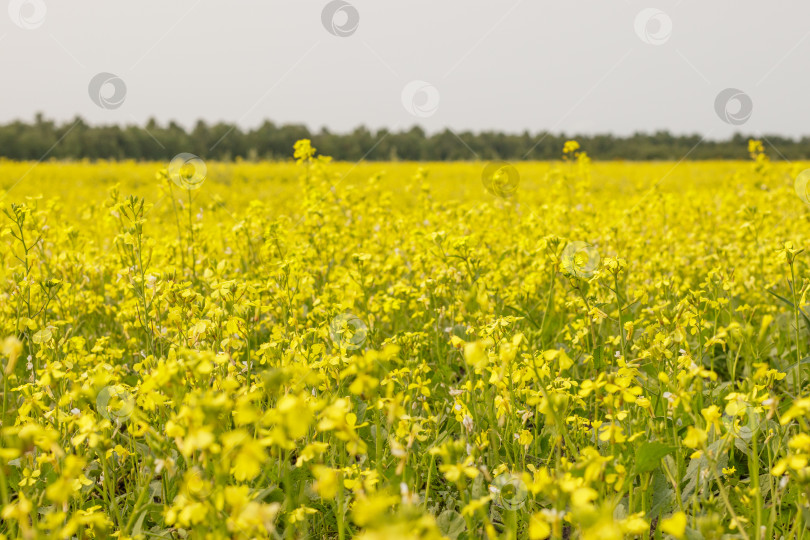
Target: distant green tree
[75, 139]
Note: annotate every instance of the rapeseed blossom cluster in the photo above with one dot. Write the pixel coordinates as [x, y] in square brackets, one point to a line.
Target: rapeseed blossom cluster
[313, 349]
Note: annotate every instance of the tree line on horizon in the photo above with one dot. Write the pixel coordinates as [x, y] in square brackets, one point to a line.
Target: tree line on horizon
[46, 139]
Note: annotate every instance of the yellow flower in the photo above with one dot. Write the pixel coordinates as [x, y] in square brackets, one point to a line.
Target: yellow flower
[635, 524]
[675, 525]
[454, 472]
[583, 496]
[539, 529]
[248, 455]
[300, 513]
[695, 437]
[712, 416]
[525, 437]
[799, 408]
[29, 478]
[370, 509]
[11, 349]
[570, 147]
[326, 481]
[304, 151]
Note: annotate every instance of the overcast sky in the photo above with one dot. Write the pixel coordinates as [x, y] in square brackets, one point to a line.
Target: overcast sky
[588, 66]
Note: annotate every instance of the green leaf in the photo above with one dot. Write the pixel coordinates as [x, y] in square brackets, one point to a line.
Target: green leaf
[478, 488]
[697, 475]
[650, 454]
[138, 528]
[806, 513]
[270, 494]
[451, 524]
[663, 498]
[43, 336]
[788, 302]
[791, 367]
[692, 534]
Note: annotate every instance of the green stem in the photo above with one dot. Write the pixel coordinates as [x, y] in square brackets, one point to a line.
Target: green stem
[797, 369]
[191, 235]
[621, 326]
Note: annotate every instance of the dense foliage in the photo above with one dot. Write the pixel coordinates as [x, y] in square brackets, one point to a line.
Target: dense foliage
[78, 140]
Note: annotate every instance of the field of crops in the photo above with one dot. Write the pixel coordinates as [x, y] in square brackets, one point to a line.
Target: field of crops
[312, 349]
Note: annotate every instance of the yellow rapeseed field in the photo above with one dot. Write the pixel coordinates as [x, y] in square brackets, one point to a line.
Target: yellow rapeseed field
[312, 349]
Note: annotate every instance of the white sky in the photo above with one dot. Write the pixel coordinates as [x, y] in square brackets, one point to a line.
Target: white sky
[574, 66]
